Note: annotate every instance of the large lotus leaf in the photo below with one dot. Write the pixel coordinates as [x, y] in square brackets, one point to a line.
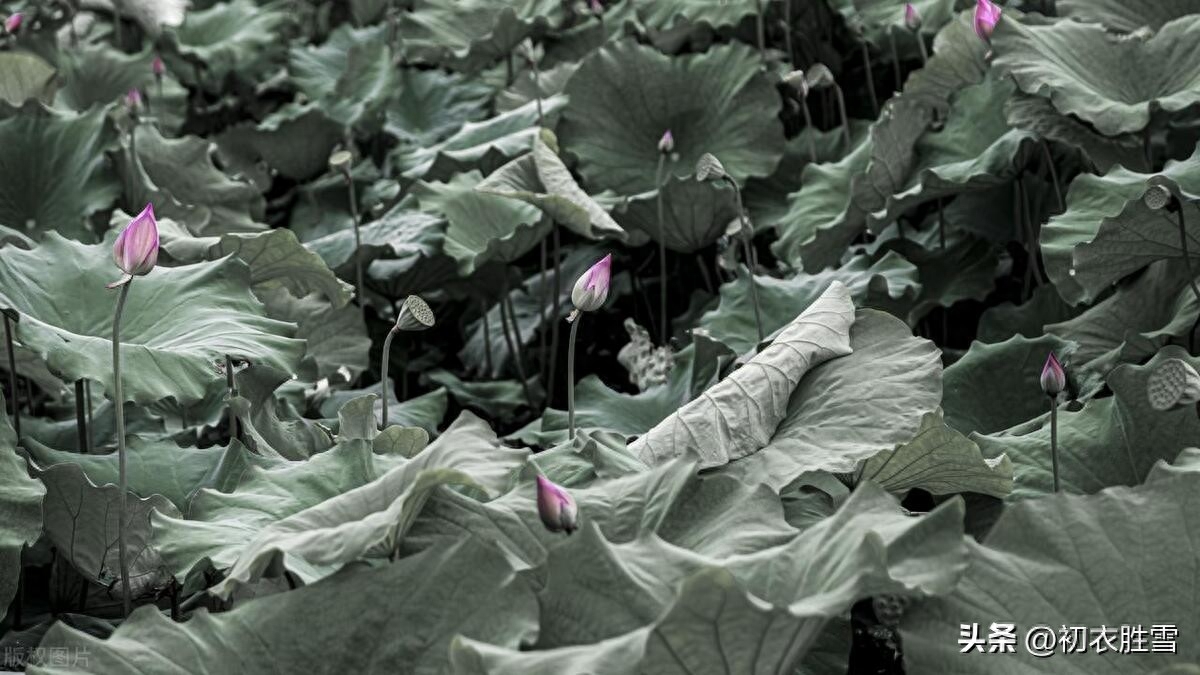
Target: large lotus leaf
[1108, 232]
[625, 96]
[1037, 115]
[959, 60]
[1126, 556]
[541, 179]
[424, 602]
[1127, 15]
[732, 322]
[695, 213]
[230, 37]
[335, 338]
[1132, 323]
[1007, 319]
[996, 386]
[25, 76]
[82, 520]
[178, 324]
[350, 75]
[1110, 441]
[480, 227]
[830, 211]
[295, 141]
[940, 461]
[1115, 83]
[739, 415]
[471, 34]
[20, 509]
[432, 105]
[151, 15]
[758, 613]
[665, 16]
[402, 232]
[425, 411]
[270, 425]
[179, 176]
[485, 145]
[874, 20]
[853, 407]
[53, 174]
[99, 75]
[497, 399]
[964, 270]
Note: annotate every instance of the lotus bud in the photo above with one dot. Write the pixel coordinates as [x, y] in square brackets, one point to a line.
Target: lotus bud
[1054, 378]
[340, 161]
[912, 18]
[797, 81]
[136, 248]
[987, 15]
[158, 67]
[1156, 197]
[13, 23]
[1172, 384]
[415, 314]
[591, 290]
[556, 507]
[133, 100]
[597, 7]
[708, 167]
[666, 144]
[819, 76]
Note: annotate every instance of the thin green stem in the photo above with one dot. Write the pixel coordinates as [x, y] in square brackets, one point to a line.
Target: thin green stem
[81, 417]
[543, 303]
[12, 375]
[921, 44]
[866, 56]
[1062, 204]
[895, 60]
[1187, 264]
[941, 225]
[1054, 439]
[760, 30]
[122, 478]
[745, 234]
[571, 375]
[383, 372]
[513, 342]
[537, 91]
[231, 385]
[87, 391]
[1031, 233]
[841, 102]
[787, 31]
[662, 253]
[487, 341]
[358, 268]
[557, 293]
[812, 130]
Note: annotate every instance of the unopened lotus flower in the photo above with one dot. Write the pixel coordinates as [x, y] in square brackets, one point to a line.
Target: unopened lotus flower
[556, 507]
[13, 23]
[591, 290]
[1054, 378]
[157, 66]
[597, 7]
[666, 144]
[136, 249]
[912, 18]
[133, 100]
[987, 15]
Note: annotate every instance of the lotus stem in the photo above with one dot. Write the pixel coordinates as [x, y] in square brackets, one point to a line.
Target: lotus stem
[537, 91]
[513, 342]
[841, 102]
[1062, 204]
[508, 70]
[1031, 233]
[812, 130]
[231, 385]
[12, 374]
[1187, 264]
[921, 44]
[383, 371]
[543, 302]
[787, 31]
[760, 29]
[895, 60]
[87, 390]
[941, 224]
[571, 374]
[122, 478]
[557, 293]
[487, 340]
[662, 253]
[358, 267]
[1054, 439]
[750, 257]
[866, 56]
[81, 417]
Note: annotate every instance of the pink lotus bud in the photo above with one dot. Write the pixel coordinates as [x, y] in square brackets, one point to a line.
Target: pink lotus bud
[912, 18]
[597, 8]
[136, 249]
[1054, 378]
[13, 23]
[133, 100]
[987, 15]
[556, 507]
[667, 142]
[157, 66]
[591, 290]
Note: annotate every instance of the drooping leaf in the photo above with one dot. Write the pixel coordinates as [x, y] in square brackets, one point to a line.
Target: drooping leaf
[20, 508]
[350, 76]
[335, 338]
[431, 105]
[695, 214]
[25, 76]
[469, 35]
[295, 141]
[1127, 15]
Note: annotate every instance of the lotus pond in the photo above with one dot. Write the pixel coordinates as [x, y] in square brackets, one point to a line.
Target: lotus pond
[561, 337]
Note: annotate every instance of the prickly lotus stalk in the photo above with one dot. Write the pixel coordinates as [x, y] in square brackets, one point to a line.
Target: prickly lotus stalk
[556, 507]
[135, 253]
[708, 167]
[666, 145]
[588, 295]
[414, 315]
[1053, 381]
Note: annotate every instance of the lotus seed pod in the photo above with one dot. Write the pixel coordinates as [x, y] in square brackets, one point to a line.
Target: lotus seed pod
[340, 160]
[797, 81]
[708, 167]
[1156, 197]
[1173, 383]
[647, 364]
[820, 76]
[415, 314]
[889, 609]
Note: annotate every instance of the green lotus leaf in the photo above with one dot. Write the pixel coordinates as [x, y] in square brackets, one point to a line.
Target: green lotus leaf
[766, 608]
[1127, 15]
[964, 270]
[470, 35]
[548, 82]
[230, 37]
[151, 15]
[432, 105]
[1110, 441]
[695, 214]
[179, 177]
[54, 171]
[401, 232]
[671, 14]
[425, 411]
[739, 415]
[434, 597]
[996, 386]
[717, 102]
[25, 76]
[541, 179]
[480, 227]
[853, 407]
[484, 145]
[350, 76]
[498, 399]
[82, 520]
[178, 324]
[732, 322]
[335, 338]
[270, 425]
[1038, 116]
[1125, 556]
[20, 508]
[1005, 320]
[1114, 83]
[99, 75]
[295, 141]
[940, 461]
[1108, 232]
[874, 20]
